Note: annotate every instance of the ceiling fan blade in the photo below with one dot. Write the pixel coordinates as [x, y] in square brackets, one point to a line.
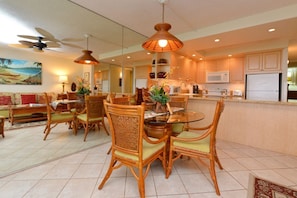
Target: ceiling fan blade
[18, 45]
[46, 34]
[72, 45]
[28, 37]
[53, 44]
[72, 39]
[27, 43]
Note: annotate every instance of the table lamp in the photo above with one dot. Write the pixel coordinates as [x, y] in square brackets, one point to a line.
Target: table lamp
[63, 79]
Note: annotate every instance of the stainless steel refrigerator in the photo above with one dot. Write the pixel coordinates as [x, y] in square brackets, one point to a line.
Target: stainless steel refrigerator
[266, 87]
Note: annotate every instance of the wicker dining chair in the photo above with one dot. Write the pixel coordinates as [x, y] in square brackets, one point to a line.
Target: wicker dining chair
[92, 115]
[130, 146]
[198, 143]
[55, 117]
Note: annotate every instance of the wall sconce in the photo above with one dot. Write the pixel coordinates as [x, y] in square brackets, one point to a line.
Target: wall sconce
[63, 79]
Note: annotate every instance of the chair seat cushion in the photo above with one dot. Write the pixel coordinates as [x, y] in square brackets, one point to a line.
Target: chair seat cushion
[83, 117]
[201, 145]
[62, 116]
[148, 150]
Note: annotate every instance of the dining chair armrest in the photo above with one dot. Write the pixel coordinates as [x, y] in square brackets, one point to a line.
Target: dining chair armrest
[163, 139]
[82, 112]
[187, 128]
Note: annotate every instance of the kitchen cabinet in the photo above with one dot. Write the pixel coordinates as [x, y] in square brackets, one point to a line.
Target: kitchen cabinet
[217, 65]
[263, 62]
[201, 71]
[236, 70]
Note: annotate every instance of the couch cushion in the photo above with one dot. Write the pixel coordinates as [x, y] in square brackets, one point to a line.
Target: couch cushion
[5, 100]
[28, 98]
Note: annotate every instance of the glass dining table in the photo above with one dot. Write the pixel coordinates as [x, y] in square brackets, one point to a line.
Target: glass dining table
[161, 124]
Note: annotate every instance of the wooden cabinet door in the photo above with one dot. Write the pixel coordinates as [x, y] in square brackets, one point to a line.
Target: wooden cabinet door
[253, 63]
[236, 69]
[271, 61]
[200, 77]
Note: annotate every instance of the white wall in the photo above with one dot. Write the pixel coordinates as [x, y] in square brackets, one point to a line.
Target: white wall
[52, 67]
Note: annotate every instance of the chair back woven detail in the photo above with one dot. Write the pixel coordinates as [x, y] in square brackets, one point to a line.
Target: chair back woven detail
[130, 145]
[125, 100]
[125, 130]
[94, 106]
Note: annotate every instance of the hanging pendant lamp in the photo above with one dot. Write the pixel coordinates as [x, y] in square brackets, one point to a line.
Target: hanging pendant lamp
[162, 40]
[87, 58]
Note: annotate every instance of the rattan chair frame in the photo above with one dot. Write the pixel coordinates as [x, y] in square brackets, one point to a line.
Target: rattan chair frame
[175, 152]
[94, 112]
[127, 132]
[64, 117]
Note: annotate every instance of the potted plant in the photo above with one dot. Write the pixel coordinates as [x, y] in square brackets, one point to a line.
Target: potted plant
[160, 95]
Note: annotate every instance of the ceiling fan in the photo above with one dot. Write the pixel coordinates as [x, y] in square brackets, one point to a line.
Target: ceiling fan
[47, 40]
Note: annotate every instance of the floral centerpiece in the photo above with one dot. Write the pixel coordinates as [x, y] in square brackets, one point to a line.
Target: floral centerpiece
[82, 87]
[160, 95]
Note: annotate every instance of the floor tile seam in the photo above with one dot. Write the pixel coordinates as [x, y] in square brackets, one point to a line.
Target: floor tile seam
[229, 173]
[274, 170]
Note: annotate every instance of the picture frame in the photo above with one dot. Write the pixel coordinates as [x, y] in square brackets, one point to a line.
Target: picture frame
[87, 77]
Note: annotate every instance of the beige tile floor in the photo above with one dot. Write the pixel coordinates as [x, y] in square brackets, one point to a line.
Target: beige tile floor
[79, 175]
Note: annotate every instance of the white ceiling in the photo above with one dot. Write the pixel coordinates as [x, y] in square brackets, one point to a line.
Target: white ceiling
[241, 25]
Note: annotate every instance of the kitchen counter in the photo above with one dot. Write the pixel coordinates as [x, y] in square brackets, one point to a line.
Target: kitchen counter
[237, 99]
[262, 124]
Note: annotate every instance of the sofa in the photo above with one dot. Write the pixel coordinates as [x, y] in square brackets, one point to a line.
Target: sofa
[9, 99]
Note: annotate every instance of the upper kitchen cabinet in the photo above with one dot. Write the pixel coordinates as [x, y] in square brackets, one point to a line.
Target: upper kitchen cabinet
[201, 77]
[263, 62]
[236, 70]
[217, 65]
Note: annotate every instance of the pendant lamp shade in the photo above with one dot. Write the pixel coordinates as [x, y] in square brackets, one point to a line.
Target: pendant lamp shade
[162, 40]
[87, 58]
[154, 43]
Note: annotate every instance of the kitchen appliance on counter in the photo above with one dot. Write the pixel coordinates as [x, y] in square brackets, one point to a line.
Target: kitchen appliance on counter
[195, 89]
[266, 87]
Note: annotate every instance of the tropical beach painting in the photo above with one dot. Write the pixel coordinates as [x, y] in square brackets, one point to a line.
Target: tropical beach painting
[20, 72]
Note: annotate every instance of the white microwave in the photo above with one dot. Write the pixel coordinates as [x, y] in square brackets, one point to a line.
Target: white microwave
[217, 77]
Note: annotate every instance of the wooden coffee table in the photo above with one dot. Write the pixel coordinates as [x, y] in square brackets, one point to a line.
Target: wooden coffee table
[27, 113]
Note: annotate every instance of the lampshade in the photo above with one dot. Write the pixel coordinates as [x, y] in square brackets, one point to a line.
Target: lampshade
[162, 40]
[63, 79]
[86, 58]
[153, 43]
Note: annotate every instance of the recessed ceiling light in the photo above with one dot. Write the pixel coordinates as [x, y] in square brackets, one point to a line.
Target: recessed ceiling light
[193, 55]
[128, 57]
[148, 53]
[200, 58]
[230, 55]
[217, 40]
[271, 30]
[112, 60]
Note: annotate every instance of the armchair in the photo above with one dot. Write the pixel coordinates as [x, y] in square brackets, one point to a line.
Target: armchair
[130, 146]
[56, 117]
[199, 142]
[92, 115]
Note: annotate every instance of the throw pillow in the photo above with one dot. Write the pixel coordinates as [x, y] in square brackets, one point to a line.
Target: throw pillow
[5, 100]
[28, 98]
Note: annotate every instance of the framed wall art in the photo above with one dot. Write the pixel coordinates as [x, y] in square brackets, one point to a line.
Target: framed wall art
[87, 77]
[20, 72]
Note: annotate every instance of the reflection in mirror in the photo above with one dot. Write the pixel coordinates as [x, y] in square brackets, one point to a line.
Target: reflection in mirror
[67, 20]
